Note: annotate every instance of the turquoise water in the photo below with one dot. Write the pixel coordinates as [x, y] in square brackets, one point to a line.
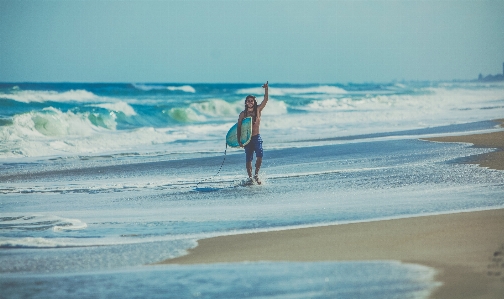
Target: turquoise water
[99, 180]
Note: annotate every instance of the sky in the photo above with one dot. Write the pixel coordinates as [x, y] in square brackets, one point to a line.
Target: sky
[240, 41]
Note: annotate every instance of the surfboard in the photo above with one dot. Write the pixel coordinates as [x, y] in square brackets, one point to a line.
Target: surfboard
[246, 133]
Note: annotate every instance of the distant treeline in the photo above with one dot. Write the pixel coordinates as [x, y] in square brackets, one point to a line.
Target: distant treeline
[491, 78]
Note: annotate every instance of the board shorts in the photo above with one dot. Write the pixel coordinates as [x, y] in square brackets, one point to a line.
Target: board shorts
[255, 145]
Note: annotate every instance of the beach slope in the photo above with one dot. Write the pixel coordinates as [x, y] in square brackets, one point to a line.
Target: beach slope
[466, 248]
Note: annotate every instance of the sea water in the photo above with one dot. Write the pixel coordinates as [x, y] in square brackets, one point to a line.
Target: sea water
[238, 280]
[99, 180]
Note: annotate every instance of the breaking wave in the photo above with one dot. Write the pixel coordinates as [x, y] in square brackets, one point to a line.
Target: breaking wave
[218, 109]
[32, 242]
[120, 106]
[149, 87]
[37, 223]
[323, 89]
[28, 96]
[105, 118]
[53, 132]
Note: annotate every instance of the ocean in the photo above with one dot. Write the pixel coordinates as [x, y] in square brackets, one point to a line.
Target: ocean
[100, 180]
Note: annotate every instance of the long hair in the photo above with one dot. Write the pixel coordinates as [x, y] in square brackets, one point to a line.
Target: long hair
[255, 107]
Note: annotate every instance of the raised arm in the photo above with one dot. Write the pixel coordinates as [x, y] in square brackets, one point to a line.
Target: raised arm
[265, 100]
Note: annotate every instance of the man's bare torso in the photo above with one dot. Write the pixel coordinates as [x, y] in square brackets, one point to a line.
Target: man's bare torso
[255, 125]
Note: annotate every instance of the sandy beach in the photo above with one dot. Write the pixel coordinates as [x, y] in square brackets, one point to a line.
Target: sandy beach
[467, 249]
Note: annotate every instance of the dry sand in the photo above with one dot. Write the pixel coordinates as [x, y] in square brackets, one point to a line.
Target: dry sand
[467, 249]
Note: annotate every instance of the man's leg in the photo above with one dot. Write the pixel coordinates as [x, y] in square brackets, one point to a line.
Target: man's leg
[259, 155]
[249, 156]
[249, 168]
[257, 167]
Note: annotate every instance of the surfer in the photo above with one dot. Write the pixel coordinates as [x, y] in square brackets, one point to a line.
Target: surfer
[255, 144]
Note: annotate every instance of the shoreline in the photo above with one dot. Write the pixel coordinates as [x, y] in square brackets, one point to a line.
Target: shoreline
[462, 247]
[466, 248]
[492, 160]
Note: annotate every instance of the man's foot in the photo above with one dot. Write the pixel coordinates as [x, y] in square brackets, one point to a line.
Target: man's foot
[256, 179]
[249, 181]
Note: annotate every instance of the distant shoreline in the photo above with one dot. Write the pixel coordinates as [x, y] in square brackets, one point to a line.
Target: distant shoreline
[491, 78]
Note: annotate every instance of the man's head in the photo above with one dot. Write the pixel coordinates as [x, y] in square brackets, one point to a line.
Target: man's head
[250, 98]
[250, 101]
[251, 105]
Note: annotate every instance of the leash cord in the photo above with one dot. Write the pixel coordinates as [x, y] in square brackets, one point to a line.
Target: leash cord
[222, 164]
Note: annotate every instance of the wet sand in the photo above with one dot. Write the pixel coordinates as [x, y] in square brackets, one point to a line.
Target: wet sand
[467, 249]
[493, 160]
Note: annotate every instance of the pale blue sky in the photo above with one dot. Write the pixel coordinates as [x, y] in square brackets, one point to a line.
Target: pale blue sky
[249, 41]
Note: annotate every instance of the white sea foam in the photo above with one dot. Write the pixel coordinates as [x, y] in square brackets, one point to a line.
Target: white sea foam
[274, 91]
[119, 106]
[28, 96]
[49, 122]
[275, 107]
[185, 88]
[52, 132]
[149, 87]
[440, 101]
[70, 224]
[334, 117]
[40, 223]
[185, 115]
[220, 108]
[217, 108]
[431, 99]
[201, 111]
[333, 105]
[146, 87]
[30, 242]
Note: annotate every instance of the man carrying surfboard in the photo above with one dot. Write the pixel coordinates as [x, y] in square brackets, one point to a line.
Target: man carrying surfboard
[255, 145]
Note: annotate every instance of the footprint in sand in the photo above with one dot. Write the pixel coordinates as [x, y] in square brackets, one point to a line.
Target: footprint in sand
[496, 266]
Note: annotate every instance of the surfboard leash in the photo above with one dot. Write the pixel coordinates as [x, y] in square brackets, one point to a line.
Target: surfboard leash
[222, 164]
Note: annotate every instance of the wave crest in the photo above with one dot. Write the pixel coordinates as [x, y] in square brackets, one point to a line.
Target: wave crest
[217, 108]
[28, 96]
[122, 107]
[30, 242]
[37, 134]
[200, 112]
[323, 89]
[149, 87]
[52, 122]
[185, 88]
[185, 115]
[333, 105]
[37, 223]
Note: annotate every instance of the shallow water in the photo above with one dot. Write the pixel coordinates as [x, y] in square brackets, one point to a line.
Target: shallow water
[248, 280]
[76, 209]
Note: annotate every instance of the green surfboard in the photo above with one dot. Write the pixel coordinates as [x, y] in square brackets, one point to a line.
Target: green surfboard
[246, 133]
